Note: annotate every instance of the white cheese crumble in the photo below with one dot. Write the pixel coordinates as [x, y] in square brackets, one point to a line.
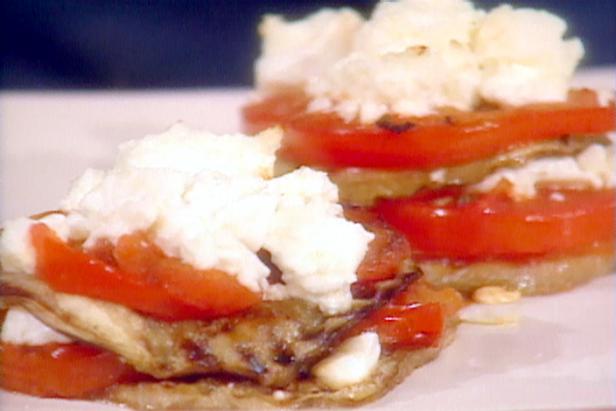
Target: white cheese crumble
[413, 57]
[16, 251]
[523, 56]
[351, 363]
[297, 50]
[605, 97]
[212, 202]
[280, 395]
[22, 328]
[593, 167]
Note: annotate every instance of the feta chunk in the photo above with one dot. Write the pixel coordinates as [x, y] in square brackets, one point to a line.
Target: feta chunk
[353, 362]
[396, 26]
[523, 56]
[22, 328]
[16, 251]
[306, 244]
[189, 151]
[605, 97]
[295, 51]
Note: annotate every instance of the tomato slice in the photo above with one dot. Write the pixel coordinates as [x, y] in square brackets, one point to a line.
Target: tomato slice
[142, 279]
[414, 319]
[409, 326]
[61, 370]
[276, 109]
[447, 223]
[386, 252]
[325, 140]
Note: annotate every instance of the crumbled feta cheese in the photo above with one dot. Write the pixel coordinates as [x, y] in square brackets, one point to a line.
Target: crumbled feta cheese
[185, 150]
[351, 363]
[523, 56]
[411, 82]
[605, 97]
[16, 250]
[294, 51]
[22, 328]
[59, 223]
[212, 202]
[280, 395]
[413, 57]
[308, 228]
[593, 167]
[438, 175]
[409, 58]
[396, 26]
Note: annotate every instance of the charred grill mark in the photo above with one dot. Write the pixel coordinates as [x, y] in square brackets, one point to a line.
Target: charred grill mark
[420, 50]
[387, 123]
[226, 327]
[384, 294]
[198, 354]
[304, 372]
[221, 377]
[254, 363]
[363, 291]
[449, 120]
[7, 290]
[275, 276]
[194, 352]
[284, 356]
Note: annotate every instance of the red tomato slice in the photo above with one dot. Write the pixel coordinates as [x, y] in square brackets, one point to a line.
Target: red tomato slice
[446, 224]
[276, 109]
[142, 279]
[409, 326]
[415, 318]
[61, 370]
[386, 252]
[428, 142]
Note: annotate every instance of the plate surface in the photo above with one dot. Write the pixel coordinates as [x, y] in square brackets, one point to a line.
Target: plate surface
[562, 354]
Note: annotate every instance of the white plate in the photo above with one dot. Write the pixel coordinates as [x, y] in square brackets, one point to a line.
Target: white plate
[560, 356]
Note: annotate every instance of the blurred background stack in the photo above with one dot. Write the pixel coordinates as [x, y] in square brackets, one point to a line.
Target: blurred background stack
[111, 44]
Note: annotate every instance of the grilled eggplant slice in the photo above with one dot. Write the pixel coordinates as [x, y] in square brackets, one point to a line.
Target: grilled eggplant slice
[273, 345]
